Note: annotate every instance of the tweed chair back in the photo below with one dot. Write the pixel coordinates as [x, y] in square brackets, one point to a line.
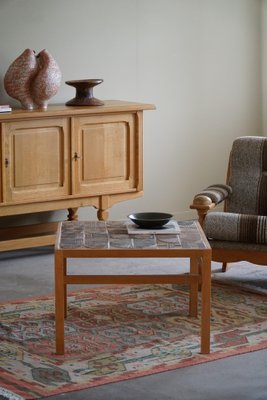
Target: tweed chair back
[247, 175]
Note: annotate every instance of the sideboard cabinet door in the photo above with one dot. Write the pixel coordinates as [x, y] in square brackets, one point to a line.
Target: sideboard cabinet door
[36, 160]
[107, 153]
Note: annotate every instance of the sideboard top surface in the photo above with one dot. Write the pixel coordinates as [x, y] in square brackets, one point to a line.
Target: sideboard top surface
[110, 106]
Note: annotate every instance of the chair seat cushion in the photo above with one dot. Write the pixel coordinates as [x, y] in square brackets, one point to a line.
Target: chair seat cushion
[237, 246]
[236, 227]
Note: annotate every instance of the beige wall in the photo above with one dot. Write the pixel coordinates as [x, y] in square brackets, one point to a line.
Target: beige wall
[264, 66]
[198, 61]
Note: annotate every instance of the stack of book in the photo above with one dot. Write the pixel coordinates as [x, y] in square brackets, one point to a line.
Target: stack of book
[5, 108]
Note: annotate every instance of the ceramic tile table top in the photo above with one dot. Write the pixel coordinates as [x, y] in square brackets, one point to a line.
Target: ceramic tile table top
[110, 239]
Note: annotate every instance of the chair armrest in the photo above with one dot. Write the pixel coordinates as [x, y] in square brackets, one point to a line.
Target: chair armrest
[209, 198]
[213, 194]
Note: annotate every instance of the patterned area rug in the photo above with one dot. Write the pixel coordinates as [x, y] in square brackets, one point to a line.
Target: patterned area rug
[120, 332]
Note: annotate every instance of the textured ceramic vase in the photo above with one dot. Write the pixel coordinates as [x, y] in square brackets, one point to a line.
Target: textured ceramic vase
[47, 80]
[32, 79]
[19, 76]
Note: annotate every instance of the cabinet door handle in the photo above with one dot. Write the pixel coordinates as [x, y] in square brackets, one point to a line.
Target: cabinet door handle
[6, 162]
[76, 156]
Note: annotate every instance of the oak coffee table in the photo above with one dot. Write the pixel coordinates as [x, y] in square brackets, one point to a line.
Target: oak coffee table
[110, 239]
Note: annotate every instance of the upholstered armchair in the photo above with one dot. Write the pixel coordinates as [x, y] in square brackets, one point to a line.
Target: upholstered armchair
[240, 231]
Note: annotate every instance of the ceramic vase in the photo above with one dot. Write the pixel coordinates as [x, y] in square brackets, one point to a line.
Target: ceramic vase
[19, 76]
[32, 79]
[47, 80]
[84, 93]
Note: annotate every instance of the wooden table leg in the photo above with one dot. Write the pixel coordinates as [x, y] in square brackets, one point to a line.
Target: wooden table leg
[206, 306]
[65, 287]
[60, 300]
[193, 296]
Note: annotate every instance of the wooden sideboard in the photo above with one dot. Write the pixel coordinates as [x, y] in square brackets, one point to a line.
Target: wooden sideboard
[66, 158]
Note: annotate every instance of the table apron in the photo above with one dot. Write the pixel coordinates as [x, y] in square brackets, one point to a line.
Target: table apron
[134, 253]
[131, 279]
